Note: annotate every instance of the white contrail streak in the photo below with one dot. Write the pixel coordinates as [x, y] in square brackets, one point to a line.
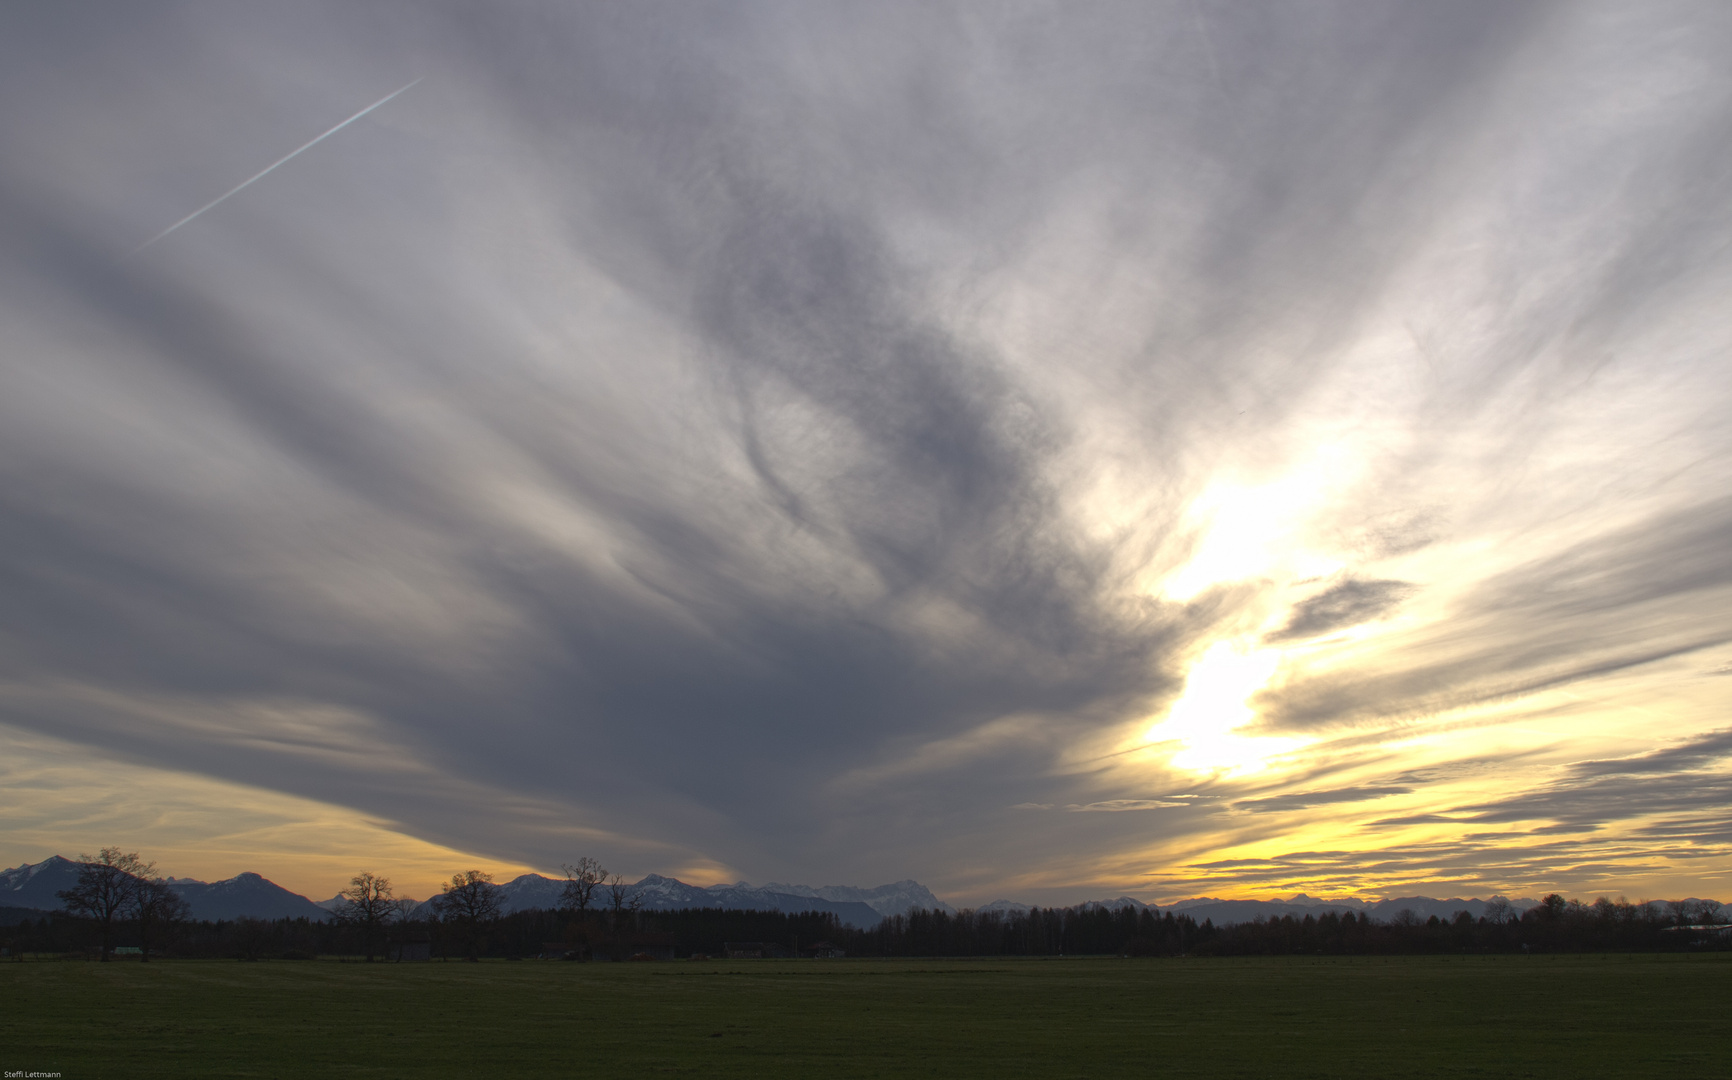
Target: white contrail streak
[273, 166]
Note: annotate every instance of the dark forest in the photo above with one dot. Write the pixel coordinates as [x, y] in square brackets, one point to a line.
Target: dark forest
[1556, 925]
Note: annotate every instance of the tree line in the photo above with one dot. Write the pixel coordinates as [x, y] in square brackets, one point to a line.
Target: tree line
[598, 918]
[1555, 925]
[117, 892]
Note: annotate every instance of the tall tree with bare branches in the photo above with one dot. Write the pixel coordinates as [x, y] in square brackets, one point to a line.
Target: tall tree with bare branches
[620, 901]
[470, 900]
[369, 904]
[155, 907]
[107, 885]
[582, 879]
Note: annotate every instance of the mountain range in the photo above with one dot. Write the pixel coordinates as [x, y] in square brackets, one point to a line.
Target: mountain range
[32, 887]
[852, 906]
[36, 885]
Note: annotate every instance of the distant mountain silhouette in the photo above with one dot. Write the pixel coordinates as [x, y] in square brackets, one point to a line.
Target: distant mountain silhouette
[35, 885]
[658, 893]
[663, 893]
[895, 899]
[245, 896]
[1004, 905]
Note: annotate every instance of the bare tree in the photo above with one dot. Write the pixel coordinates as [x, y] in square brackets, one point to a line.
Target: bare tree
[156, 906]
[582, 879]
[107, 884]
[620, 901]
[369, 904]
[471, 900]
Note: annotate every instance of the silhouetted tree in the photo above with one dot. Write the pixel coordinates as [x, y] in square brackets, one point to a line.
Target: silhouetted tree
[107, 884]
[368, 904]
[582, 879]
[619, 901]
[470, 900]
[155, 906]
[1603, 925]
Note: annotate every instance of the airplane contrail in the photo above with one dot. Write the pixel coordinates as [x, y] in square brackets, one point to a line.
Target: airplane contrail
[273, 166]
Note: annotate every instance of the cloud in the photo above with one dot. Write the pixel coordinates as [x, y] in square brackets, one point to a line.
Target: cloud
[1339, 606]
[1688, 755]
[1626, 598]
[1484, 863]
[1654, 816]
[1301, 800]
[1113, 806]
[761, 438]
[1676, 779]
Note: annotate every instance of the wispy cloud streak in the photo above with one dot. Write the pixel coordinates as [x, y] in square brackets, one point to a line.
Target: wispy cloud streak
[830, 441]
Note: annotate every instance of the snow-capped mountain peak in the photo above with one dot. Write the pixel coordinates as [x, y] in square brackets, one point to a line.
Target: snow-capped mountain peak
[896, 898]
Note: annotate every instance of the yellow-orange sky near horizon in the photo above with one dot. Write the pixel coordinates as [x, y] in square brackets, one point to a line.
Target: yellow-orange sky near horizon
[1049, 453]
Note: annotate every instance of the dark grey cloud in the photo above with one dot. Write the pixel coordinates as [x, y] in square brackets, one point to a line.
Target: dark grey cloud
[1347, 604]
[1688, 778]
[748, 430]
[1624, 599]
[1691, 754]
[1300, 800]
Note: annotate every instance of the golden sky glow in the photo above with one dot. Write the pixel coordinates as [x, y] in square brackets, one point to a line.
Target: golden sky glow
[1206, 719]
[1031, 453]
[55, 796]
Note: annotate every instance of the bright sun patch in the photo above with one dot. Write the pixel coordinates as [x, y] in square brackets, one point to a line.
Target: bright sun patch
[1251, 532]
[1214, 705]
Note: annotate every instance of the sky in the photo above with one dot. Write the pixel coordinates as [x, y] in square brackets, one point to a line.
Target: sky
[1046, 450]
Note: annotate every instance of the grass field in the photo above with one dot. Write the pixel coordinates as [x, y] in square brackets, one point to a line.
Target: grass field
[1516, 1016]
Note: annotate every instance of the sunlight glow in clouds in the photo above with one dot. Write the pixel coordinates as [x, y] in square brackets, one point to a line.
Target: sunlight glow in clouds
[1252, 532]
[1315, 444]
[1214, 705]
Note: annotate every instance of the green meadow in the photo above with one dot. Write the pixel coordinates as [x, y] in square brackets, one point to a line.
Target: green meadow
[1517, 1016]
